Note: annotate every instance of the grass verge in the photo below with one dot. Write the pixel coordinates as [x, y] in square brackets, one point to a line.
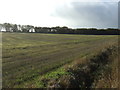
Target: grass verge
[91, 74]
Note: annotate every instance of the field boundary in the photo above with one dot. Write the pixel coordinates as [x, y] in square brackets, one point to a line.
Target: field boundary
[84, 76]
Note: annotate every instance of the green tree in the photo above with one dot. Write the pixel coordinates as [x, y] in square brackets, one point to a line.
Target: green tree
[7, 27]
[14, 28]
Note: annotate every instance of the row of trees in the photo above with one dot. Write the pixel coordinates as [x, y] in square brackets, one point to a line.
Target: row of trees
[7, 27]
[59, 30]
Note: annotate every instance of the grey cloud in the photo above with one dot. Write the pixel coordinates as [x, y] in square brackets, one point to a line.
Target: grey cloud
[91, 14]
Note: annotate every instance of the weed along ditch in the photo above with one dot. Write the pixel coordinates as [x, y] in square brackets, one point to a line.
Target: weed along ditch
[84, 76]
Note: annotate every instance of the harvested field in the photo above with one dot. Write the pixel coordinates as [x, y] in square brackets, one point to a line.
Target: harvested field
[26, 56]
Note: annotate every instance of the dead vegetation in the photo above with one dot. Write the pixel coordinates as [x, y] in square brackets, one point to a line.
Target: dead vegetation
[100, 72]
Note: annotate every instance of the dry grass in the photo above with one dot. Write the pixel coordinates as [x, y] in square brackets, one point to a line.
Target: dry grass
[101, 71]
[109, 78]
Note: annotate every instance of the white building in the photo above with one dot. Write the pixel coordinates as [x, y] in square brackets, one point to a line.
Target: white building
[32, 30]
[2, 28]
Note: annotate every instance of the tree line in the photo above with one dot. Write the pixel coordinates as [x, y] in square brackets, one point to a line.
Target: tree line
[7, 27]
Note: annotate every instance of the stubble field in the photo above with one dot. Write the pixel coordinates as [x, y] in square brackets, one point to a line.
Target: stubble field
[26, 56]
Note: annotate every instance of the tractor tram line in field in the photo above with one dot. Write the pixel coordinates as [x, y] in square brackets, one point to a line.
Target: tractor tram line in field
[27, 56]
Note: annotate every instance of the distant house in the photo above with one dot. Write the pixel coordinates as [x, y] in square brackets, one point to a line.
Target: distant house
[2, 28]
[19, 28]
[32, 30]
[53, 30]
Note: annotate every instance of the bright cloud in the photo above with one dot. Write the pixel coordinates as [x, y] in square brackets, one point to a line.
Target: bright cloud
[56, 12]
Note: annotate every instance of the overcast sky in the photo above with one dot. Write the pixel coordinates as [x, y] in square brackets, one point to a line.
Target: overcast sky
[71, 13]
